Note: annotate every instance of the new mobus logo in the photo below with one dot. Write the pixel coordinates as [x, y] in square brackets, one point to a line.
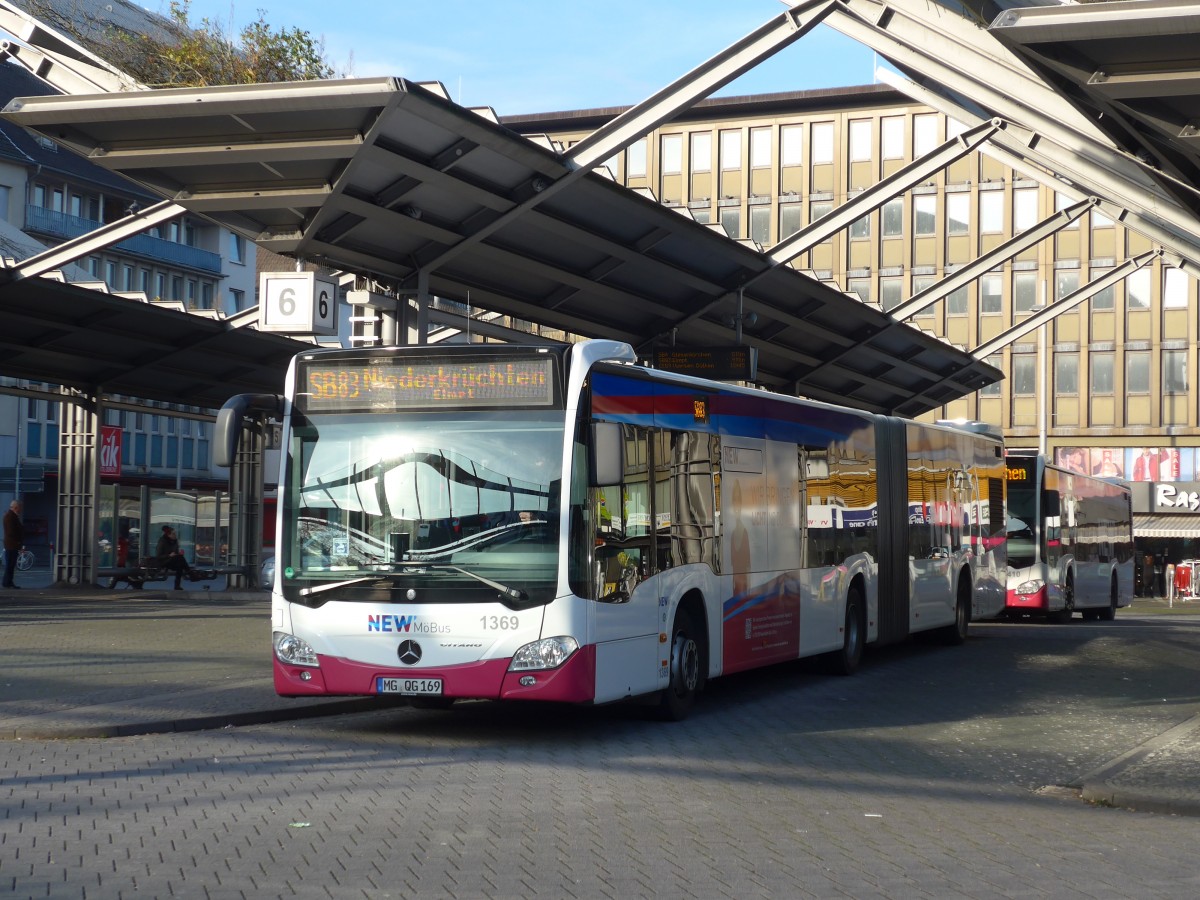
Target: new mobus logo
[411, 624]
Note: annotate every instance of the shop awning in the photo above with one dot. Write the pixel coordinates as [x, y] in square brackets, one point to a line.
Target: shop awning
[1184, 525]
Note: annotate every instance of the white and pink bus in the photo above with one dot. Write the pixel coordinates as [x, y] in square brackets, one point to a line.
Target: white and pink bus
[559, 524]
[1070, 542]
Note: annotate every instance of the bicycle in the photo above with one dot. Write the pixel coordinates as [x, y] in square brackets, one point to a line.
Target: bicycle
[25, 560]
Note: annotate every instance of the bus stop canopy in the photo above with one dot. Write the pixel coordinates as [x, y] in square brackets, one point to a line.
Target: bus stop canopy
[389, 179]
[77, 337]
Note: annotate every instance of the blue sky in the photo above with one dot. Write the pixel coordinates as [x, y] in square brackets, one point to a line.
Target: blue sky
[524, 56]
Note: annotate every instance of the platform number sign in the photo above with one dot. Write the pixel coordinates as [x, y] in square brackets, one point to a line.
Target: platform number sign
[297, 303]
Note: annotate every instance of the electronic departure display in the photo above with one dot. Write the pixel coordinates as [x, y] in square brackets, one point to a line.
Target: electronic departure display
[1020, 471]
[337, 384]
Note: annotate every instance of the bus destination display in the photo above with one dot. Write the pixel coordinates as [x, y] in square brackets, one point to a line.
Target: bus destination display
[383, 383]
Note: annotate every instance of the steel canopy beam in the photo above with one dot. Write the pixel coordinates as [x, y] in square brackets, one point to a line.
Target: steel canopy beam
[1010, 248]
[1150, 214]
[104, 236]
[652, 112]
[1066, 304]
[875, 196]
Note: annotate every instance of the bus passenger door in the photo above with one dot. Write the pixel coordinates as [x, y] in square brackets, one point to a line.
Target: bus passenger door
[626, 604]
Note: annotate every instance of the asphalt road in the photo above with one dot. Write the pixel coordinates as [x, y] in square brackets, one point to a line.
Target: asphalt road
[935, 772]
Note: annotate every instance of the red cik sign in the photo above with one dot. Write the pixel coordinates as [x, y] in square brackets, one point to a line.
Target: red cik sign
[110, 450]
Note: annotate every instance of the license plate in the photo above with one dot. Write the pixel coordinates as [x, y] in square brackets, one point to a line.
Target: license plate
[412, 686]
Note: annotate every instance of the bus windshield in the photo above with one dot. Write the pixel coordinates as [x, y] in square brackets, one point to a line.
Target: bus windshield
[1022, 527]
[456, 507]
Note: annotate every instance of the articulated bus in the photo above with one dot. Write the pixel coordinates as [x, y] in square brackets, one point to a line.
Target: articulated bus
[1070, 542]
[560, 524]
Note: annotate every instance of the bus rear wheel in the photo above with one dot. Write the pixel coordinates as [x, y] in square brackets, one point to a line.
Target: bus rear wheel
[955, 634]
[687, 669]
[847, 660]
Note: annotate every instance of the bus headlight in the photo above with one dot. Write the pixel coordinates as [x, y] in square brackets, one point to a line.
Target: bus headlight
[293, 651]
[545, 654]
[1033, 586]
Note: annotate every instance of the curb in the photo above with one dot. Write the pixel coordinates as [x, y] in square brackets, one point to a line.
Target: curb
[1094, 787]
[33, 732]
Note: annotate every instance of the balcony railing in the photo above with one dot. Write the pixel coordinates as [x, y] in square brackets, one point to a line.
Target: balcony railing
[46, 221]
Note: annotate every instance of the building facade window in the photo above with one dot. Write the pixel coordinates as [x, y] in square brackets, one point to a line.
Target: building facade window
[891, 136]
[924, 214]
[1174, 372]
[1137, 289]
[1024, 374]
[1066, 373]
[1175, 288]
[893, 217]
[760, 148]
[861, 228]
[635, 159]
[730, 218]
[890, 292]
[731, 150]
[925, 134]
[791, 219]
[672, 154]
[1024, 291]
[1102, 372]
[860, 140]
[1025, 209]
[760, 224]
[956, 303]
[991, 292]
[1066, 282]
[822, 143]
[791, 145]
[700, 158]
[237, 248]
[1103, 300]
[958, 213]
[991, 212]
[1137, 372]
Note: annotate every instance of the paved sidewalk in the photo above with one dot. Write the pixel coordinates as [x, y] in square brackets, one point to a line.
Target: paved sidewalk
[94, 663]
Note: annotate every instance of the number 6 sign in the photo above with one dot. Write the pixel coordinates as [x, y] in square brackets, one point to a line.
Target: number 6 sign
[297, 303]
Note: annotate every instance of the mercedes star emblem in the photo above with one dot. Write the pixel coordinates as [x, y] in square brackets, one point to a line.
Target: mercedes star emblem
[410, 653]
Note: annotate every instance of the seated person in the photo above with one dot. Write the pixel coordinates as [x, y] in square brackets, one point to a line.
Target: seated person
[168, 555]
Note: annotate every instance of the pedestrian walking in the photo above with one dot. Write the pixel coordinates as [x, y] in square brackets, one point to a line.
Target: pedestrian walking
[14, 540]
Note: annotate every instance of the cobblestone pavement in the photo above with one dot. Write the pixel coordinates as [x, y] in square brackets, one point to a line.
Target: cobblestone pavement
[936, 772]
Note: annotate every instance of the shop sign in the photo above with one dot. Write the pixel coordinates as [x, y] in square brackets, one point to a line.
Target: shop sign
[1176, 498]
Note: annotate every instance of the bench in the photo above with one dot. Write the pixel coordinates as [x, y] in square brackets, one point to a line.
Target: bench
[148, 569]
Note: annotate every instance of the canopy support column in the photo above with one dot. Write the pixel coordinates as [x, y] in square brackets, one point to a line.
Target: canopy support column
[78, 486]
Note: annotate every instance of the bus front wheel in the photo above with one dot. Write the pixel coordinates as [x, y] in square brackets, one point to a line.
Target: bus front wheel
[687, 669]
[1109, 612]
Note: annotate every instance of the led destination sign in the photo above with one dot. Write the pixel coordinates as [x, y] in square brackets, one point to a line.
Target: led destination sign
[368, 383]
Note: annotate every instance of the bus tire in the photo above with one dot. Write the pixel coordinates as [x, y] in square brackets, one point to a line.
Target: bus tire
[686, 668]
[1063, 616]
[1109, 612]
[847, 660]
[956, 634]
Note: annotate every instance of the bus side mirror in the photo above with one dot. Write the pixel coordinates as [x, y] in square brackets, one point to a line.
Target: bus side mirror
[229, 422]
[607, 463]
[1050, 507]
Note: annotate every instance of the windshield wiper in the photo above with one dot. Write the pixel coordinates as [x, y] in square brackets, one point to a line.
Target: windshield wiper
[308, 591]
[495, 585]
[514, 593]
